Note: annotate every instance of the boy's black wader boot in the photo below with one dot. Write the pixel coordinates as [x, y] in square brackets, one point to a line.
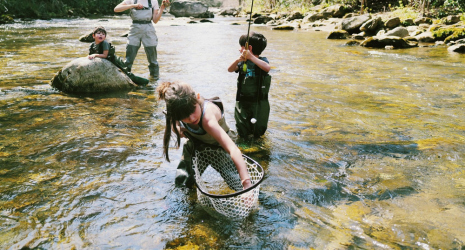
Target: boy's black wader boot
[140, 81]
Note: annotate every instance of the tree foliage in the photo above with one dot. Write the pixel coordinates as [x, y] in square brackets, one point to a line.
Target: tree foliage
[56, 8]
[63, 8]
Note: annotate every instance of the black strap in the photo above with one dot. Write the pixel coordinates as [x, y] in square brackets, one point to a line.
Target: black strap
[141, 22]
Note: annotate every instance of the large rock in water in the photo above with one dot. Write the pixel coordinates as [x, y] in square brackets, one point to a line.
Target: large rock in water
[83, 75]
[189, 9]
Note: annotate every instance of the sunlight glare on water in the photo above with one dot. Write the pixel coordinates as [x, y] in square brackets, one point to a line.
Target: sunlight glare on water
[364, 147]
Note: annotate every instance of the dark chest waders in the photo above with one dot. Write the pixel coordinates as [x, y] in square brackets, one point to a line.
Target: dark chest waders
[252, 106]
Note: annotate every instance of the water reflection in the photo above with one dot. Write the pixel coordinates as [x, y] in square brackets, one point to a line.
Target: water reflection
[364, 147]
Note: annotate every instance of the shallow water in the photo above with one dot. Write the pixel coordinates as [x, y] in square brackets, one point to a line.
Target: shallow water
[364, 147]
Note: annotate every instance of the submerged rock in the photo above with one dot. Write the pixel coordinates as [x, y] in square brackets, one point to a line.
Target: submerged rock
[91, 76]
[459, 48]
[382, 42]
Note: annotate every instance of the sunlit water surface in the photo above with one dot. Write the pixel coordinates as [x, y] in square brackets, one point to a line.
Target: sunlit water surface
[364, 149]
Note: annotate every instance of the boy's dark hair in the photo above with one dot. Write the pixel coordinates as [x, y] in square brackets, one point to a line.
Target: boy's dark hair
[99, 28]
[257, 40]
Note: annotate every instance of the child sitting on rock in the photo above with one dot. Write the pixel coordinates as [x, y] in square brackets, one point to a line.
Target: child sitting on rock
[103, 49]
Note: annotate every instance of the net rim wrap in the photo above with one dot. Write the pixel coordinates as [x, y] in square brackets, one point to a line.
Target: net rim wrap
[260, 168]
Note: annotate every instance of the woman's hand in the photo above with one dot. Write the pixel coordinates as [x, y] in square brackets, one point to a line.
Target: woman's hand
[246, 183]
[166, 3]
[138, 6]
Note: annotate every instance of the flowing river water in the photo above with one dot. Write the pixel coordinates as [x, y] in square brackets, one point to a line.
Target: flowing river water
[365, 147]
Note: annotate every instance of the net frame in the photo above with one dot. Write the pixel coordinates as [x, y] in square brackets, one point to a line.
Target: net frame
[216, 164]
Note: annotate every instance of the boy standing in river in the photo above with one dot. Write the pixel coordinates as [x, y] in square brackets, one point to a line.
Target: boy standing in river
[103, 49]
[253, 84]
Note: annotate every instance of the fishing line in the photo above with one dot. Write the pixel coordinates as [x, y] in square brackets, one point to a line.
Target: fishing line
[244, 68]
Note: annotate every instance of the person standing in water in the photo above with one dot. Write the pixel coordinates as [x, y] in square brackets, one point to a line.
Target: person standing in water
[143, 13]
[253, 84]
[203, 122]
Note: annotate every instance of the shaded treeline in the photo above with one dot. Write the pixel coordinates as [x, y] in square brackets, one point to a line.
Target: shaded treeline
[45, 9]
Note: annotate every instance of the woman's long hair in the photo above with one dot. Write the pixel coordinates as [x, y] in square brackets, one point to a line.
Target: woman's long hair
[180, 102]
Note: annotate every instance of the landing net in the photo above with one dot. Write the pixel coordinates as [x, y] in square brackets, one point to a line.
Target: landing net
[219, 185]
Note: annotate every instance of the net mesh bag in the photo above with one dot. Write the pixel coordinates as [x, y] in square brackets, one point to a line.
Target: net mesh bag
[219, 185]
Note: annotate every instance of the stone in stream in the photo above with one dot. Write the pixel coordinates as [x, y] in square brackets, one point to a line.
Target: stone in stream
[83, 75]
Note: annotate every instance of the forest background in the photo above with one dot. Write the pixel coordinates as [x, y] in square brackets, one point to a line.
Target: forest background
[47, 9]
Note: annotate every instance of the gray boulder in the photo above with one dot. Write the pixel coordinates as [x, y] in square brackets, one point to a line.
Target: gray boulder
[189, 9]
[399, 31]
[338, 34]
[392, 22]
[451, 19]
[230, 11]
[314, 17]
[421, 20]
[371, 25]
[262, 20]
[83, 75]
[335, 11]
[353, 24]
[426, 37]
[294, 15]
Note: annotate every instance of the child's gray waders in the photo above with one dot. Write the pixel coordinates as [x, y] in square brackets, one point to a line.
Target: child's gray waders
[142, 30]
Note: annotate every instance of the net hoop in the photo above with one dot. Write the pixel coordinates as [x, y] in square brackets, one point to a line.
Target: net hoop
[219, 185]
[238, 192]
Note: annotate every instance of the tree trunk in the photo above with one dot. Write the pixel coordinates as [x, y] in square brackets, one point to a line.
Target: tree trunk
[422, 6]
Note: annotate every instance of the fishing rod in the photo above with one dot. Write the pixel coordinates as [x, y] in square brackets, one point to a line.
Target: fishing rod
[244, 68]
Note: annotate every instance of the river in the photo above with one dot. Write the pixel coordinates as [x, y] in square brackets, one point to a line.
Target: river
[365, 147]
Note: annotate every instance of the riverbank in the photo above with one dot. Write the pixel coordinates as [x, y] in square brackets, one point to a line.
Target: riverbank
[402, 28]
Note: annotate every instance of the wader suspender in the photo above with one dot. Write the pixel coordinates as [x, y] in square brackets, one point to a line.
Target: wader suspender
[149, 1]
[150, 7]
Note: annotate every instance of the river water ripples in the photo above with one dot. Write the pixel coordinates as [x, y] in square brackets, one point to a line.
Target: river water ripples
[364, 149]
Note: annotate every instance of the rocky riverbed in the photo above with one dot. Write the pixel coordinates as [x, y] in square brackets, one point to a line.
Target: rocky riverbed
[376, 30]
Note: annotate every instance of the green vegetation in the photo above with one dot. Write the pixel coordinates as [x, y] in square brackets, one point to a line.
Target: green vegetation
[46, 9]
[448, 34]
